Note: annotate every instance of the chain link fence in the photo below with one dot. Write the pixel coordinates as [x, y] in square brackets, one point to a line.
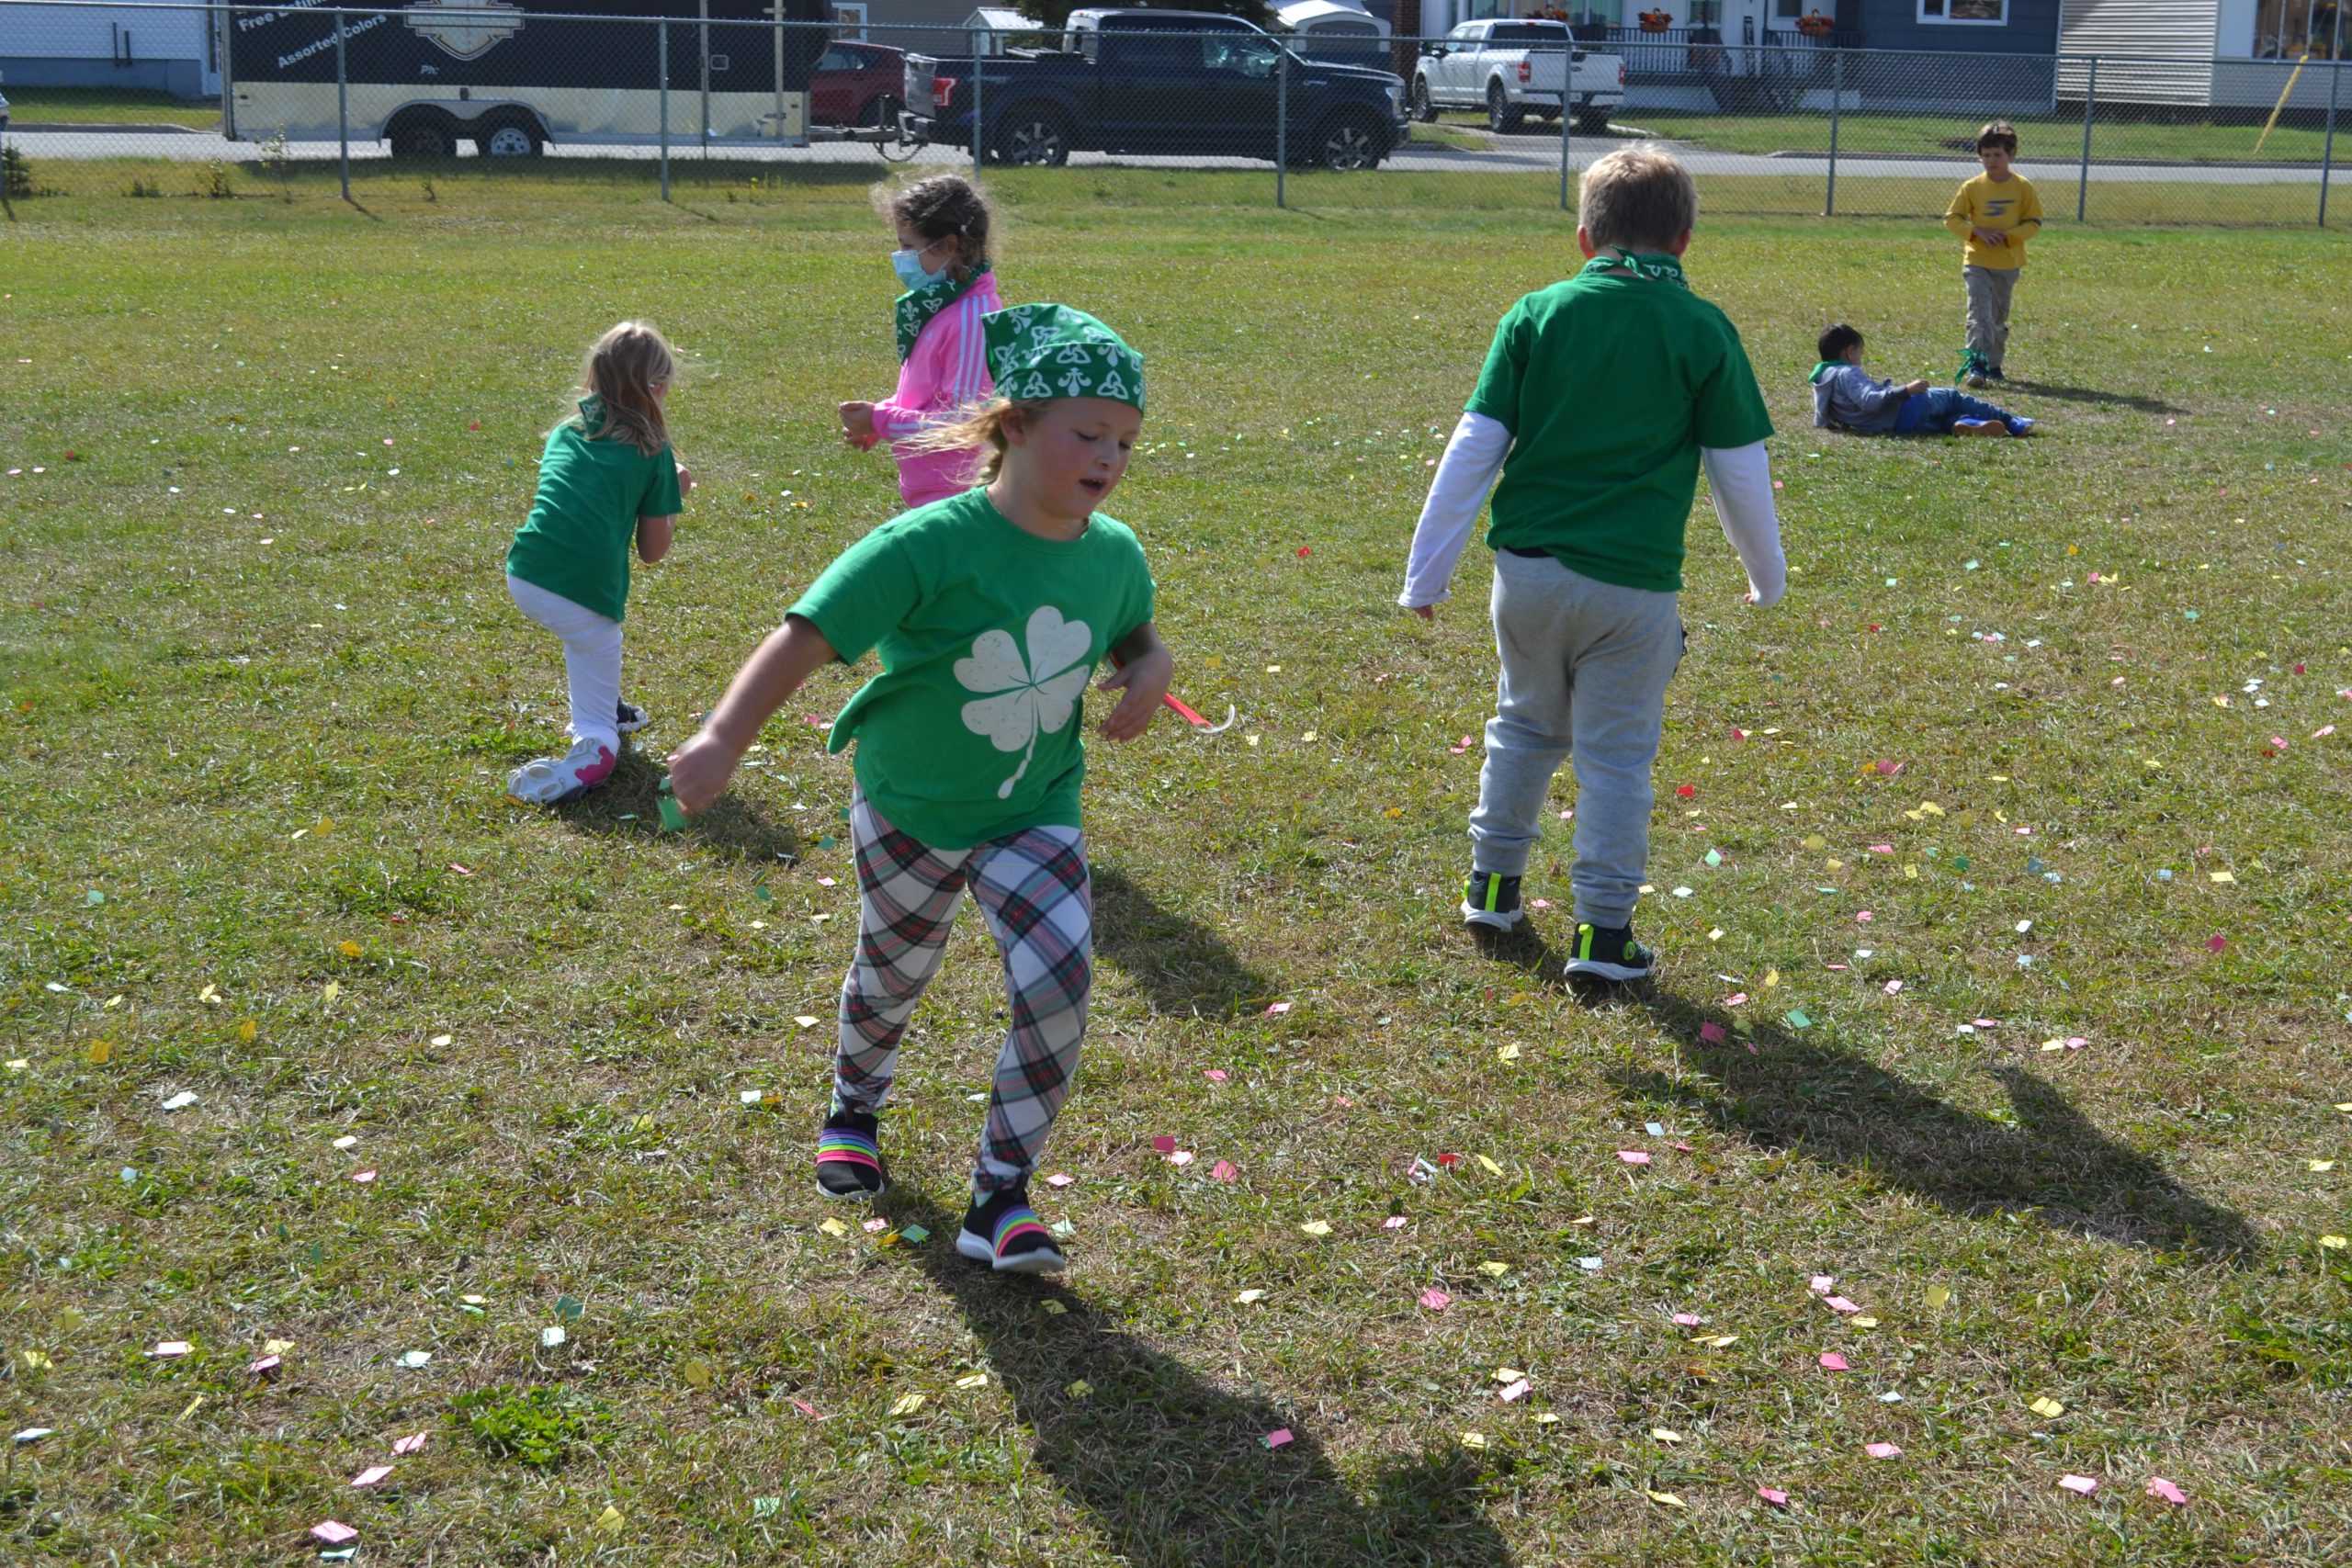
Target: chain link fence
[108, 98]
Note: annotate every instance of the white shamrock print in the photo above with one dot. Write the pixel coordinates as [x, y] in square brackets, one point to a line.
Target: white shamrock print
[1026, 699]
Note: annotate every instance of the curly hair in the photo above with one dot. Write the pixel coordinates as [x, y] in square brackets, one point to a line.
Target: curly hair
[943, 207]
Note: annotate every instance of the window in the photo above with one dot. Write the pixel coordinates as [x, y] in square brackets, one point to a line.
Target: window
[1967, 13]
[2288, 29]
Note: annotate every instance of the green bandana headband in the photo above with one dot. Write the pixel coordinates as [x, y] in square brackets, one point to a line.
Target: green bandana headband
[915, 309]
[1663, 268]
[1052, 351]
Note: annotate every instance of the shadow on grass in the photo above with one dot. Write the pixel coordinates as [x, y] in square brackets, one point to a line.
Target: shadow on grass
[625, 806]
[1173, 1468]
[2090, 395]
[1185, 967]
[1834, 1107]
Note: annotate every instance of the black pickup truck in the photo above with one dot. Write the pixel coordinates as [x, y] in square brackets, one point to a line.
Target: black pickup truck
[1167, 82]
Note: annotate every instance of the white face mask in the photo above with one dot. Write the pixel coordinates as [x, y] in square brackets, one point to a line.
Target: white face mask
[907, 264]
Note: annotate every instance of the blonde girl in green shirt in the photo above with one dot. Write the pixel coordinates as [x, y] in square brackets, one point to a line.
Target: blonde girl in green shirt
[989, 610]
[607, 478]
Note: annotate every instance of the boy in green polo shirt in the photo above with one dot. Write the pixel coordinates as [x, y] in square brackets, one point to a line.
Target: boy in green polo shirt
[1602, 397]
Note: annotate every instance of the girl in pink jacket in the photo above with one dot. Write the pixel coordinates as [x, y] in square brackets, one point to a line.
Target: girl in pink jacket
[943, 258]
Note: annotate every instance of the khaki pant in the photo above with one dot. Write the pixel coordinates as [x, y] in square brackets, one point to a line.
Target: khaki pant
[1989, 289]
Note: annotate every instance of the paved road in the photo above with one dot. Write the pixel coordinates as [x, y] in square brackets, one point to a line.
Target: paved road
[1516, 154]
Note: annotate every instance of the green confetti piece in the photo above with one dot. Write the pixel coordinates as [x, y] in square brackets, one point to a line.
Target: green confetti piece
[568, 1308]
[2189, 615]
[762, 893]
[94, 897]
[1797, 1020]
[827, 842]
[1960, 862]
[1715, 857]
[914, 1233]
[672, 820]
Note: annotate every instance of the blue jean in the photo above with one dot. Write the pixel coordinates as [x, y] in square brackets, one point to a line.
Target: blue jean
[1938, 409]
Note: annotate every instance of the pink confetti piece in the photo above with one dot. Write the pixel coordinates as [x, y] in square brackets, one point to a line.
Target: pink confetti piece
[1689, 1319]
[460, 870]
[1712, 1034]
[1889, 769]
[807, 1409]
[2323, 732]
[265, 1364]
[2075, 1042]
[1277, 1438]
[1546, 903]
[1895, 988]
[1216, 1075]
[2024, 832]
[2215, 943]
[1831, 1361]
[1180, 1157]
[1448, 1161]
[1393, 1223]
[1164, 1144]
[412, 1444]
[1882, 1450]
[826, 882]
[165, 1349]
[1881, 848]
[334, 1532]
[1863, 916]
[1738, 998]
[1988, 1023]
[1838, 969]
[1684, 1148]
[1633, 1157]
[1224, 1171]
[2160, 1488]
[363, 1177]
[1773, 1495]
[372, 1474]
[870, 1226]
[1839, 1303]
[1514, 1392]
[1060, 1178]
[2084, 1485]
[1821, 1284]
[1275, 1010]
[1436, 1300]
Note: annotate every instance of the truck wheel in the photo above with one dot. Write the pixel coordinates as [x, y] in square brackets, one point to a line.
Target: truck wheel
[1424, 107]
[1033, 135]
[423, 133]
[1593, 122]
[1351, 140]
[1503, 117]
[508, 136]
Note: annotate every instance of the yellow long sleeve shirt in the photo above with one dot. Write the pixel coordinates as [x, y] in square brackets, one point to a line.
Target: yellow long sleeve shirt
[2008, 208]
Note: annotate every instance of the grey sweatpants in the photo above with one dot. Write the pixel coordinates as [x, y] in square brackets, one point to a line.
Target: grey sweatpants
[1584, 671]
[1989, 289]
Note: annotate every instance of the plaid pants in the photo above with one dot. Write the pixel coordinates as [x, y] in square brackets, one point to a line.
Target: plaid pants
[1032, 890]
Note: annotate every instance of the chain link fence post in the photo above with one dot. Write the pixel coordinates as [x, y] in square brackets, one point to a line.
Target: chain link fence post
[2327, 148]
[1281, 128]
[1837, 116]
[342, 106]
[661, 54]
[2083, 174]
[1568, 82]
[979, 136]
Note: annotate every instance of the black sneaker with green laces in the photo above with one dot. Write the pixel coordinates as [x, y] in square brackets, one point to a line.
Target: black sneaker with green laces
[1492, 902]
[1609, 952]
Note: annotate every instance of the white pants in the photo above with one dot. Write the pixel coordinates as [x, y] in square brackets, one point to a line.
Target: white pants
[591, 659]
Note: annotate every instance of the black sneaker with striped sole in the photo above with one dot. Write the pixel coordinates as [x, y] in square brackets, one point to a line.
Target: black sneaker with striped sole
[1609, 952]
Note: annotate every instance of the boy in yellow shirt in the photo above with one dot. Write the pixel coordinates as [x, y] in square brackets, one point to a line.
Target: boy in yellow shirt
[1995, 212]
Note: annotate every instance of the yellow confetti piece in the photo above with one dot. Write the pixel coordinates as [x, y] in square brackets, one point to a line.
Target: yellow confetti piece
[908, 1404]
[1938, 1296]
[978, 1380]
[36, 1360]
[334, 989]
[1863, 1321]
[2321, 1164]
[247, 1030]
[1716, 1341]
[1496, 1269]
[1833, 864]
[350, 949]
[1490, 1167]
[833, 1227]
[1052, 1308]
[445, 1040]
[1246, 1297]
[1911, 872]
[1664, 1499]
[697, 1374]
[1079, 1390]
[1316, 1227]
[2333, 1243]
[100, 1052]
[1716, 934]
[1932, 809]
[1582, 1220]
[610, 1521]
[113, 1002]
[18, 1064]
[1474, 1439]
[1507, 1054]
[1545, 1418]
[2046, 1406]
[1666, 1434]
[275, 1347]
[1508, 1374]
[1771, 978]
[2225, 877]
[192, 1405]
[1815, 842]
[209, 995]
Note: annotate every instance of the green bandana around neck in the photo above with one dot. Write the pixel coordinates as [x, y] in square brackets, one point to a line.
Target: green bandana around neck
[1819, 366]
[914, 308]
[1052, 351]
[1662, 268]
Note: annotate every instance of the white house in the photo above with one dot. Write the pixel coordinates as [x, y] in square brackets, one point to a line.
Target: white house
[109, 46]
[2225, 54]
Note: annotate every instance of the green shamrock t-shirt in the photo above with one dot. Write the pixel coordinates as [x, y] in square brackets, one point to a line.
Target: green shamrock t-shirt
[988, 635]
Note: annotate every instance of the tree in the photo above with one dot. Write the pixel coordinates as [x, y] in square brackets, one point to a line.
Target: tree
[1054, 14]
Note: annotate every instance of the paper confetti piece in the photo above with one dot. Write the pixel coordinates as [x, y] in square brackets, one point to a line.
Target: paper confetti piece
[610, 1521]
[1831, 1361]
[1180, 1157]
[1717, 1341]
[2333, 1243]
[1316, 1227]
[2158, 1487]
[1864, 1321]
[1275, 1010]
[1839, 1303]
[2046, 1405]
[261, 1364]
[1079, 1390]
[1689, 1319]
[1216, 1075]
[1512, 1393]
[870, 1226]
[334, 1532]
[1393, 1223]
[833, 1227]
[1664, 1499]
[1164, 1144]
[1938, 1296]
[1821, 1284]
[1436, 1300]
[2083, 1485]
[1474, 1439]
[168, 1349]
[1507, 1052]
[180, 1102]
[1882, 1450]
[412, 1444]
[1633, 1157]
[1798, 1019]
[1277, 1438]
[363, 1177]
[908, 1404]
[977, 1380]
[1712, 1034]
[33, 1433]
[1494, 1270]
[1246, 1297]
[1666, 1434]
[372, 1474]
[1773, 1495]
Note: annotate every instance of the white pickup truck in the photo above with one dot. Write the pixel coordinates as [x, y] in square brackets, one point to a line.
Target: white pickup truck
[1513, 69]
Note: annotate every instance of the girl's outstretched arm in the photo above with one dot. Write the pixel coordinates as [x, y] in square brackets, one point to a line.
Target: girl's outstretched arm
[653, 534]
[699, 769]
[1145, 668]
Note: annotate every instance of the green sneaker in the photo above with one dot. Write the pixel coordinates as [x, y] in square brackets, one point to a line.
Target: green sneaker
[1492, 902]
[1609, 952]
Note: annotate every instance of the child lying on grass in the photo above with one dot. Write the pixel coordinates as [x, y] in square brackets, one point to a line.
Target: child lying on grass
[1844, 395]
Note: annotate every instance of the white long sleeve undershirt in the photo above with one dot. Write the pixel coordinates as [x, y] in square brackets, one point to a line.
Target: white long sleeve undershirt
[1741, 478]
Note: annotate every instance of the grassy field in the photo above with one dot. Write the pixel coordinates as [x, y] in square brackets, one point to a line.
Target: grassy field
[107, 106]
[1998, 875]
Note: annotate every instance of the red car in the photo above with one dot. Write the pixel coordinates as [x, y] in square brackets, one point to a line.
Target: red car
[856, 84]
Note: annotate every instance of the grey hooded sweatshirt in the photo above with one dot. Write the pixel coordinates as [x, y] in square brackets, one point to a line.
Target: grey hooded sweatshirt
[1846, 395]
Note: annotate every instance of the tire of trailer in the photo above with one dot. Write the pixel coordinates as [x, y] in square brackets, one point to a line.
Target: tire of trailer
[1352, 139]
[1503, 117]
[509, 135]
[421, 133]
[1030, 136]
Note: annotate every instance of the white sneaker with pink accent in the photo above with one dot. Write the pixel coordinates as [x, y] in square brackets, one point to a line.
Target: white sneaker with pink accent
[550, 781]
